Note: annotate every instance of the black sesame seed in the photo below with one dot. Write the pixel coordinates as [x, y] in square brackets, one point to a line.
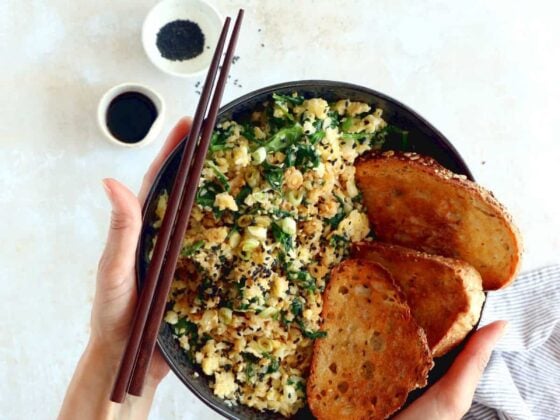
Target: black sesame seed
[180, 40]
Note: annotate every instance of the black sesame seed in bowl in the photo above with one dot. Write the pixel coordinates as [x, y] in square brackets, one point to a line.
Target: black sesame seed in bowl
[180, 40]
[179, 36]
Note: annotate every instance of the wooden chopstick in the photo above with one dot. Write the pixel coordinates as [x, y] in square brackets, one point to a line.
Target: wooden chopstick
[155, 316]
[132, 350]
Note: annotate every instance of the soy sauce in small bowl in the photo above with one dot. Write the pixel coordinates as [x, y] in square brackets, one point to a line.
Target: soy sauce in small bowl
[130, 115]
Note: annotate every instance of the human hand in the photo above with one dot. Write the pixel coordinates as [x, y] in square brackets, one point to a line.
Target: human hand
[113, 308]
[115, 295]
[114, 303]
[451, 397]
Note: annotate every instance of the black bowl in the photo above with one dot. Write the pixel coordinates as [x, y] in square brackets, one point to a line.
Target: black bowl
[423, 138]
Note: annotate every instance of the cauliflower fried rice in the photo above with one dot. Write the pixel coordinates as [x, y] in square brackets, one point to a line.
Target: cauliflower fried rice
[276, 209]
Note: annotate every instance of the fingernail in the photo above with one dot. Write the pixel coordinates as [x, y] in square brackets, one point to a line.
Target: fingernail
[107, 189]
[505, 328]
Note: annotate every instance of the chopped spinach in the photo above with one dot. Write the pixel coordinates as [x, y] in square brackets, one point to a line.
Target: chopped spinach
[307, 157]
[303, 279]
[297, 307]
[318, 124]
[248, 131]
[240, 287]
[313, 335]
[400, 132]
[346, 124]
[188, 328]
[250, 360]
[219, 175]
[243, 307]
[317, 136]
[243, 194]
[217, 142]
[204, 339]
[250, 370]
[299, 385]
[339, 241]
[219, 139]
[282, 237]
[274, 364]
[297, 310]
[284, 138]
[337, 218]
[204, 288]
[206, 194]
[392, 137]
[303, 157]
[185, 327]
[276, 124]
[290, 156]
[358, 198]
[189, 250]
[287, 99]
[226, 304]
[283, 213]
[273, 174]
[335, 118]
[359, 137]
[283, 319]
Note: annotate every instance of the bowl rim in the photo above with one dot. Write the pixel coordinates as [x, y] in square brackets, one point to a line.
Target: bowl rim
[296, 85]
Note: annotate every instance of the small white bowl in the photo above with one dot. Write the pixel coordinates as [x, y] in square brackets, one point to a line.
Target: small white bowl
[130, 87]
[200, 12]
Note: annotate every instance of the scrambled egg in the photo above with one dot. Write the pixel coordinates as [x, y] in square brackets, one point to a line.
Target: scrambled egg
[276, 208]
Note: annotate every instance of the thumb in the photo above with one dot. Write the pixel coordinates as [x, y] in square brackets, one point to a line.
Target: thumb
[456, 389]
[452, 395]
[117, 260]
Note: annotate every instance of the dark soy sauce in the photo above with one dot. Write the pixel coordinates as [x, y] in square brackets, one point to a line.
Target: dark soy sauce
[130, 116]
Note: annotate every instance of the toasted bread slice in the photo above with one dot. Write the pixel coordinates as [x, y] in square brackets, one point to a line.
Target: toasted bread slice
[445, 295]
[374, 353]
[415, 202]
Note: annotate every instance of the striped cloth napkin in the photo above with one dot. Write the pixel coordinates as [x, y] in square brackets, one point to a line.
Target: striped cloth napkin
[522, 379]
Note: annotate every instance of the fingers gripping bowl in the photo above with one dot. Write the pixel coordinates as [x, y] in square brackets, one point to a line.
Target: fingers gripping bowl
[251, 350]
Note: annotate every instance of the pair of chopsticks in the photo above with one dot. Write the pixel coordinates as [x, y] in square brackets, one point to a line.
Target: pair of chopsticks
[138, 353]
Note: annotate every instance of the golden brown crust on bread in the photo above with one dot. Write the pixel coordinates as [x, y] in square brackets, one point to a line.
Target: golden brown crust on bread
[415, 202]
[445, 295]
[374, 353]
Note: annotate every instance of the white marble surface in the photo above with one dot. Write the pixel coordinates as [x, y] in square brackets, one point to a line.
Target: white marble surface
[486, 74]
